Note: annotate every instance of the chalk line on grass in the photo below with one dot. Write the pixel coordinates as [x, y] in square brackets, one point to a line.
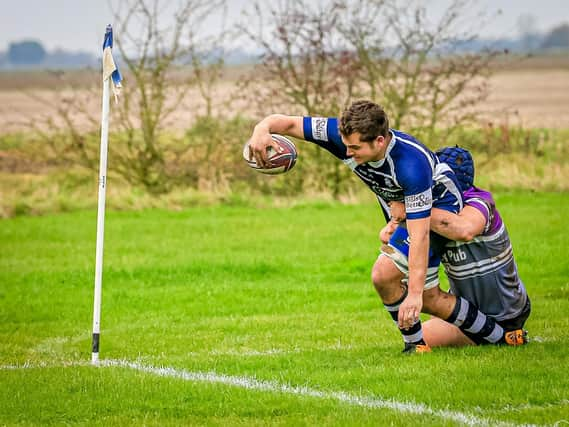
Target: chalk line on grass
[252, 383]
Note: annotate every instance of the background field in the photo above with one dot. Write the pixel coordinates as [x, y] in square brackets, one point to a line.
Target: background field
[521, 143]
[280, 295]
[530, 92]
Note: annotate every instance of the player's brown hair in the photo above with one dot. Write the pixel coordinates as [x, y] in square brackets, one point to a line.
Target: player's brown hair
[365, 117]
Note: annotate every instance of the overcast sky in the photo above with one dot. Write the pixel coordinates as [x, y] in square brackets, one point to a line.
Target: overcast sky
[80, 24]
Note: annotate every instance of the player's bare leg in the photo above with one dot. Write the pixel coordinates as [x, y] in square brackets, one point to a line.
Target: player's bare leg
[438, 333]
[387, 280]
[474, 324]
[456, 311]
[438, 303]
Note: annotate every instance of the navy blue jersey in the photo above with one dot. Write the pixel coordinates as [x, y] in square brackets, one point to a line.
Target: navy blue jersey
[409, 173]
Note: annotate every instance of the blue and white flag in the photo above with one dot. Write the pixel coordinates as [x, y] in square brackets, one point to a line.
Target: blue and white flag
[110, 69]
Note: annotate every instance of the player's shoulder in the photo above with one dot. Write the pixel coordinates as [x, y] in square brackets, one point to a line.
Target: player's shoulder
[405, 142]
[408, 149]
[476, 193]
[403, 136]
[483, 201]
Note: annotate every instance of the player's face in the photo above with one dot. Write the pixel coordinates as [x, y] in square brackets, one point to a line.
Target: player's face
[363, 152]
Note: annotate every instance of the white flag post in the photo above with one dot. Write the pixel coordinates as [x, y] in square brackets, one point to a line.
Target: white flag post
[110, 72]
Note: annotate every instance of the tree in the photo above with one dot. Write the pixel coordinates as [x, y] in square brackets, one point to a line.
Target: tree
[27, 52]
[161, 55]
[157, 88]
[317, 59]
[420, 73]
[305, 65]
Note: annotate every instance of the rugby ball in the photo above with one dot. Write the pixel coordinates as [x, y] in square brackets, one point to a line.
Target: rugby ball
[279, 162]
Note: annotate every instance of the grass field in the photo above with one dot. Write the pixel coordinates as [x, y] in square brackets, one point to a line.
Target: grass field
[256, 317]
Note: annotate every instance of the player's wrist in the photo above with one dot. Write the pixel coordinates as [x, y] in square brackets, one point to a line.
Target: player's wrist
[262, 127]
[415, 288]
[415, 293]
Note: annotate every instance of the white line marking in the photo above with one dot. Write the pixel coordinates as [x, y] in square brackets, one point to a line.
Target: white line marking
[270, 386]
[252, 383]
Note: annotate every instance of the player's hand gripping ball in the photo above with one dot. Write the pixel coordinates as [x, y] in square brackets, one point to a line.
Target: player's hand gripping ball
[278, 162]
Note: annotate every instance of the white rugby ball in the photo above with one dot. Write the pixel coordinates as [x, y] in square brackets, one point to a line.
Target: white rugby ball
[279, 162]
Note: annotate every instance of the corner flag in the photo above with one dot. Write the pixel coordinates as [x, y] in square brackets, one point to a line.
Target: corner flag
[110, 69]
[110, 72]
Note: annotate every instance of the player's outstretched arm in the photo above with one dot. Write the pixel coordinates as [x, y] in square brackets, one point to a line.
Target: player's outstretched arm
[465, 226]
[275, 123]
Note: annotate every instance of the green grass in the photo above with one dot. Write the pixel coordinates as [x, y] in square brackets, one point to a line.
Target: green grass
[279, 294]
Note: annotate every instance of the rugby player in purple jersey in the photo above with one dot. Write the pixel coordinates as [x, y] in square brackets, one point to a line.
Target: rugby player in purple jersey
[397, 168]
[479, 262]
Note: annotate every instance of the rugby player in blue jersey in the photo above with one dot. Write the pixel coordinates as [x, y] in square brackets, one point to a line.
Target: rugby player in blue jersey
[396, 167]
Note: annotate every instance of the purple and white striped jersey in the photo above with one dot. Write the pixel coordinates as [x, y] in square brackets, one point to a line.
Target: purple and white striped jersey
[484, 270]
[409, 173]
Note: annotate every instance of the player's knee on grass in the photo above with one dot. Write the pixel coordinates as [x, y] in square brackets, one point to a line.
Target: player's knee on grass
[438, 333]
[386, 279]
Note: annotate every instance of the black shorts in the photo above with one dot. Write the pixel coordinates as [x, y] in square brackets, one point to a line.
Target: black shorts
[518, 321]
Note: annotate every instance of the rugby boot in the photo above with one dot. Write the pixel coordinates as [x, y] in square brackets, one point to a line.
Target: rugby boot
[416, 348]
[516, 337]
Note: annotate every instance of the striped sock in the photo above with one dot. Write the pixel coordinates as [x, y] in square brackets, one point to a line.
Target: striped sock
[413, 335]
[474, 324]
